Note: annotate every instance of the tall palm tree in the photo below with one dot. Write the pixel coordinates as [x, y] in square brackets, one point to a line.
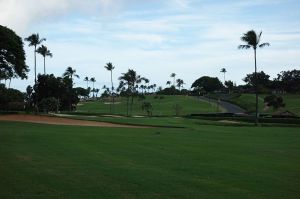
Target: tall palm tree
[109, 66]
[173, 75]
[34, 40]
[44, 51]
[252, 40]
[93, 80]
[70, 72]
[86, 79]
[223, 70]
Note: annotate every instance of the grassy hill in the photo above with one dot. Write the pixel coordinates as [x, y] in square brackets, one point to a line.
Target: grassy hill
[49, 161]
[162, 106]
[247, 101]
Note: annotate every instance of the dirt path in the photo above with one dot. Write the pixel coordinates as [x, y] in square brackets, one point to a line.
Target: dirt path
[61, 121]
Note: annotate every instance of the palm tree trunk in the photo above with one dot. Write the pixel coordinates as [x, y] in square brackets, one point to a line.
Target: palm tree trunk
[256, 91]
[36, 98]
[35, 64]
[44, 66]
[93, 91]
[112, 91]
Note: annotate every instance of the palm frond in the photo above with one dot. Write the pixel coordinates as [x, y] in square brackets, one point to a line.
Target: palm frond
[264, 44]
[244, 46]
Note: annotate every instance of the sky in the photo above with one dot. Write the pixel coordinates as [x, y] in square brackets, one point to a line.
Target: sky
[191, 38]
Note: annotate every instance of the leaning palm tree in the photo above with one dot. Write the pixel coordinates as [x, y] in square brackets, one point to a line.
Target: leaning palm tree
[110, 68]
[223, 70]
[43, 50]
[252, 40]
[70, 72]
[34, 40]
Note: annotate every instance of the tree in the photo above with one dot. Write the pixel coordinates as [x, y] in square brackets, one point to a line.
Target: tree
[173, 75]
[275, 101]
[262, 80]
[223, 70]
[86, 79]
[180, 83]
[93, 80]
[110, 68]
[208, 84]
[289, 81]
[229, 84]
[168, 83]
[70, 72]
[48, 86]
[147, 106]
[34, 40]
[12, 55]
[130, 78]
[252, 40]
[44, 51]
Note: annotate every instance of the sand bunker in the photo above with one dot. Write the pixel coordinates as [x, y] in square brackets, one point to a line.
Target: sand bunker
[61, 121]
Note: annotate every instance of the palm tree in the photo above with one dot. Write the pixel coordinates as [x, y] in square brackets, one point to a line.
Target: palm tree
[253, 40]
[86, 79]
[110, 68]
[180, 83]
[223, 70]
[34, 40]
[43, 50]
[93, 79]
[173, 75]
[168, 83]
[70, 72]
[130, 79]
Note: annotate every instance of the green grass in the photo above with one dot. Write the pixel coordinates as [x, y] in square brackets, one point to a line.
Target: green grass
[247, 101]
[161, 107]
[292, 103]
[48, 161]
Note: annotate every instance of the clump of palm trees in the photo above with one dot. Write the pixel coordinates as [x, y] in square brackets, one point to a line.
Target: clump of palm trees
[252, 40]
[35, 40]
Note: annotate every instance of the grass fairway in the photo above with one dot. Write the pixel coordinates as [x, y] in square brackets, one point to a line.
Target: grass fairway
[164, 106]
[247, 101]
[48, 161]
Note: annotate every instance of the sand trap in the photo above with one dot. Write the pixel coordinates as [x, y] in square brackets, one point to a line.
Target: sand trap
[112, 103]
[61, 121]
[229, 121]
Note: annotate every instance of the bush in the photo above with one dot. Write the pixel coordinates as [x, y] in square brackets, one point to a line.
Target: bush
[49, 104]
[11, 99]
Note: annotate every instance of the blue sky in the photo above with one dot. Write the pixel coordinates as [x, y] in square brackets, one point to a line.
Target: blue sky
[191, 38]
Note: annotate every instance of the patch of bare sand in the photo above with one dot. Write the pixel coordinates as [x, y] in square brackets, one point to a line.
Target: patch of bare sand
[61, 121]
[229, 121]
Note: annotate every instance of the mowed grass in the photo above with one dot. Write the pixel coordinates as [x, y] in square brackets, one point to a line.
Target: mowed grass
[247, 101]
[161, 107]
[48, 161]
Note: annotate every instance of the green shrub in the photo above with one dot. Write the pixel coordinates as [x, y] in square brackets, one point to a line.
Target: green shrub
[49, 104]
